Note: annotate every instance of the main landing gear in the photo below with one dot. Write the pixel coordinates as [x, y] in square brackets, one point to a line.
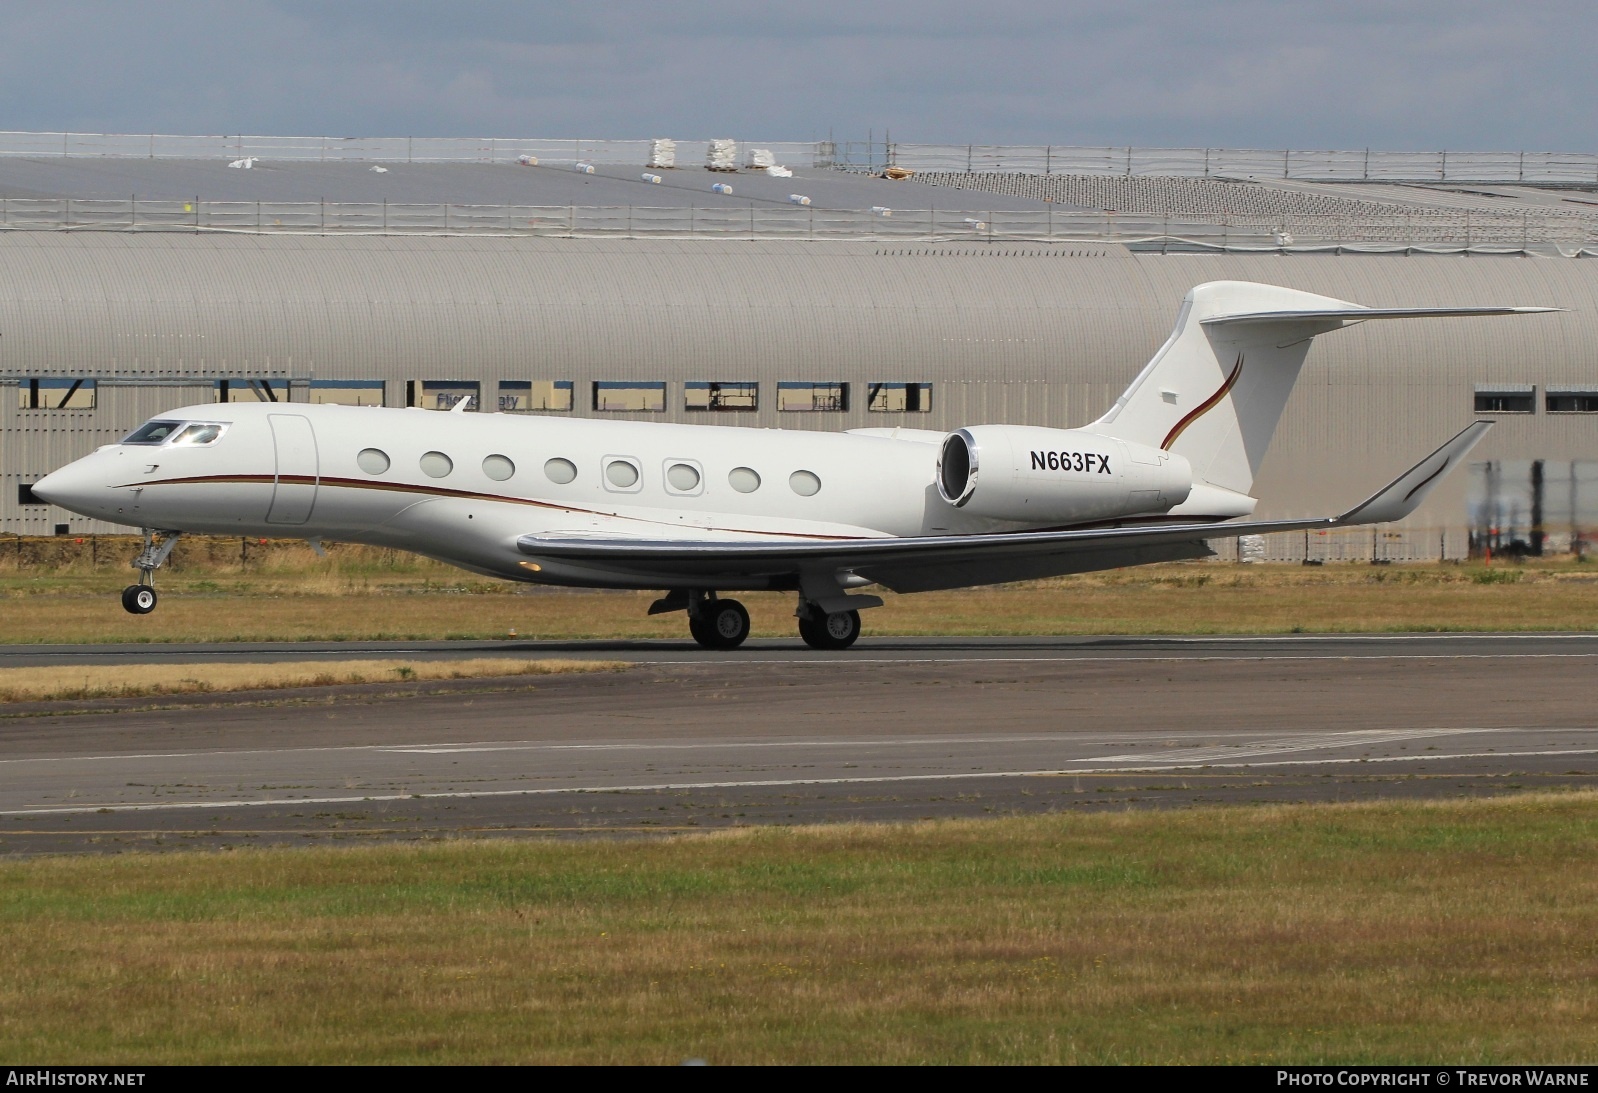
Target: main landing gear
[716, 623]
[719, 624]
[140, 599]
[837, 630]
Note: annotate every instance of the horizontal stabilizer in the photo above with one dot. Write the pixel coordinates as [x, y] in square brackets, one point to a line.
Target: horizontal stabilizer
[1405, 493]
[1360, 314]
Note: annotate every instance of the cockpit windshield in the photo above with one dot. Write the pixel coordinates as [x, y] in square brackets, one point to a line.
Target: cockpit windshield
[186, 434]
[198, 433]
[152, 432]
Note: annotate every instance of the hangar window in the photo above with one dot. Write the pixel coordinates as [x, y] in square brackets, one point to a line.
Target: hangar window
[252, 390]
[436, 464]
[803, 396]
[442, 394]
[347, 392]
[1571, 400]
[534, 396]
[26, 496]
[721, 395]
[55, 393]
[1500, 398]
[900, 398]
[630, 396]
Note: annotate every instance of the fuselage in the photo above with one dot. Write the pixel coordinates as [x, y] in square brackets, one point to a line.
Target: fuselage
[462, 487]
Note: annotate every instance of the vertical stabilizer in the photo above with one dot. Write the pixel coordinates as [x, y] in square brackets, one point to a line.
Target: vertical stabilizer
[1215, 390]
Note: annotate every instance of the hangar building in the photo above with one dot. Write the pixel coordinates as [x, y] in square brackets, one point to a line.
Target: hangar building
[872, 303]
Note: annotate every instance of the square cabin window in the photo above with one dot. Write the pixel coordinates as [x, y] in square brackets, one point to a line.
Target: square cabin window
[347, 392]
[630, 396]
[718, 396]
[1505, 398]
[900, 398]
[443, 394]
[55, 393]
[1571, 400]
[804, 396]
[534, 396]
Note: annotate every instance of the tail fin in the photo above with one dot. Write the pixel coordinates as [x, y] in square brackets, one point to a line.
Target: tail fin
[1215, 390]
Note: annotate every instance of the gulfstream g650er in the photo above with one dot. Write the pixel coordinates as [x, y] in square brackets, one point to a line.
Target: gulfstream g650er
[697, 511]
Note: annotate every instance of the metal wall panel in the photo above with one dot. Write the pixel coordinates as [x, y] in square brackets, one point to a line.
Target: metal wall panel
[1021, 334]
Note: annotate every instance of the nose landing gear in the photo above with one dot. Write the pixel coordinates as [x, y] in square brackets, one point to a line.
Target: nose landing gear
[140, 599]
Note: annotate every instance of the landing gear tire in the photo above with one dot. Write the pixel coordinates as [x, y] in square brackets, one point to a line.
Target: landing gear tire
[722, 624]
[835, 631]
[138, 599]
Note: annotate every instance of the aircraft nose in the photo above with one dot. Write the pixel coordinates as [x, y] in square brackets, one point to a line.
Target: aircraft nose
[76, 486]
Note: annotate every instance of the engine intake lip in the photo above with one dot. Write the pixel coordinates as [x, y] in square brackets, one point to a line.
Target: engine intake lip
[957, 467]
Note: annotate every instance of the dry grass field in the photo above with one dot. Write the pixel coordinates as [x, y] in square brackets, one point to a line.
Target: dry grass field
[1453, 932]
[225, 590]
[114, 681]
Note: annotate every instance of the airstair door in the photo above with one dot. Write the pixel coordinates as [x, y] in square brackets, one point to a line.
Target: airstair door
[295, 481]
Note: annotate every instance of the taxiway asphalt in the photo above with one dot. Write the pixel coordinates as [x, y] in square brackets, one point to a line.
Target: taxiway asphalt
[775, 733]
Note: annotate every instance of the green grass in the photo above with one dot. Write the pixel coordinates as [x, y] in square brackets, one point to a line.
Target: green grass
[60, 591]
[1459, 932]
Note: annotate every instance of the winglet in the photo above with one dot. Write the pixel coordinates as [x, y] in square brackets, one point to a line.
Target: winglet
[1405, 493]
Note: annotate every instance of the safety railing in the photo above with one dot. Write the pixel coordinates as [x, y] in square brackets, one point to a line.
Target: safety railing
[1358, 165]
[1346, 165]
[373, 149]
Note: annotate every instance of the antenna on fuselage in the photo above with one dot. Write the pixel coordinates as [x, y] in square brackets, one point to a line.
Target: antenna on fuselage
[460, 406]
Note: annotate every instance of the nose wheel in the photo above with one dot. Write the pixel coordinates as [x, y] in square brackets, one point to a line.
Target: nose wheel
[138, 599]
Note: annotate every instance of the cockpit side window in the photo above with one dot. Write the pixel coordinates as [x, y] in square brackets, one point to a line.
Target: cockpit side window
[197, 434]
[152, 432]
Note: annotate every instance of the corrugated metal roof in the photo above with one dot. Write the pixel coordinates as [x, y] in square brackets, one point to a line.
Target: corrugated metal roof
[470, 183]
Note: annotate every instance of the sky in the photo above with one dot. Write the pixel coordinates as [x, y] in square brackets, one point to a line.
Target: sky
[1422, 74]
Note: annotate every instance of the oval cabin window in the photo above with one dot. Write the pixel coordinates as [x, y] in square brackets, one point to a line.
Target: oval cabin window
[560, 471]
[498, 467]
[743, 479]
[621, 474]
[804, 483]
[682, 477]
[436, 464]
[372, 461]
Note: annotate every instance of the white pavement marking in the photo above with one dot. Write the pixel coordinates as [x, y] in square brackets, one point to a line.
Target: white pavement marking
[447, 747]
[1308, 742]
[765, 784]
[1066, 658]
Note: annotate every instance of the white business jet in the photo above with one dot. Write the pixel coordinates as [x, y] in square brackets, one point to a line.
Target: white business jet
[697, 511]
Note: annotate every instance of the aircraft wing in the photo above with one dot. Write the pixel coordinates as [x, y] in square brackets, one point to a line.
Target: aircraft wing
[925, 563]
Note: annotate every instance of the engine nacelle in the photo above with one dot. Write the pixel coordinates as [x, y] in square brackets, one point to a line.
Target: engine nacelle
[1033, 475]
